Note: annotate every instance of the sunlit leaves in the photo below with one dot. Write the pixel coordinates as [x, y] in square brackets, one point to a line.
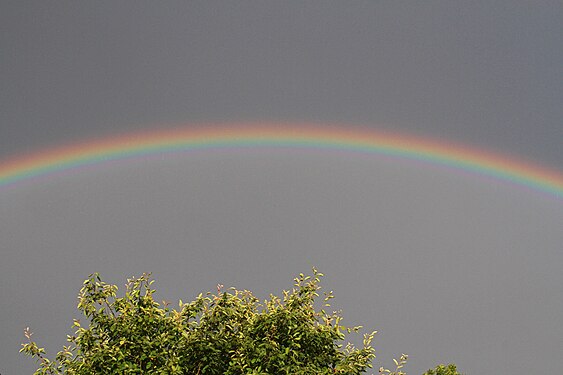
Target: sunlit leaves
[227, 333]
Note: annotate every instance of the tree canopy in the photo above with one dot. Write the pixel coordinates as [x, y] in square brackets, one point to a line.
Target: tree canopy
[228, 332]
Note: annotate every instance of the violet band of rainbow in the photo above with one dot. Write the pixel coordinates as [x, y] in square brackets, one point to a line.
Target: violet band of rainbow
[279, 136]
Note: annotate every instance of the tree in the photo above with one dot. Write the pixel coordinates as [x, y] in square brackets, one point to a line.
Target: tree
[450, 369]
[229, 332]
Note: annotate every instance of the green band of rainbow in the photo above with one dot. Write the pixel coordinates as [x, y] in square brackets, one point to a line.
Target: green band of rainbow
[283, 136]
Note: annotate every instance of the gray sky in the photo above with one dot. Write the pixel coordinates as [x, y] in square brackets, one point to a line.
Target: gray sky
[447, 267]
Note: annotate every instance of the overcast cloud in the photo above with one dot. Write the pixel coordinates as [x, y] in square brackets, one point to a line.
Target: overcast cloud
[447, 267]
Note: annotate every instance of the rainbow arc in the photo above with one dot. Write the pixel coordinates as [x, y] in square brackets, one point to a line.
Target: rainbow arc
[276, 135]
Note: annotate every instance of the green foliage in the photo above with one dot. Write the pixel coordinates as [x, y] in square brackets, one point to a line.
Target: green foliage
[443, 370]
[229, 332]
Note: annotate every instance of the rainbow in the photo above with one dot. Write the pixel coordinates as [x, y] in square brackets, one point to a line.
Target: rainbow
[284, 136]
